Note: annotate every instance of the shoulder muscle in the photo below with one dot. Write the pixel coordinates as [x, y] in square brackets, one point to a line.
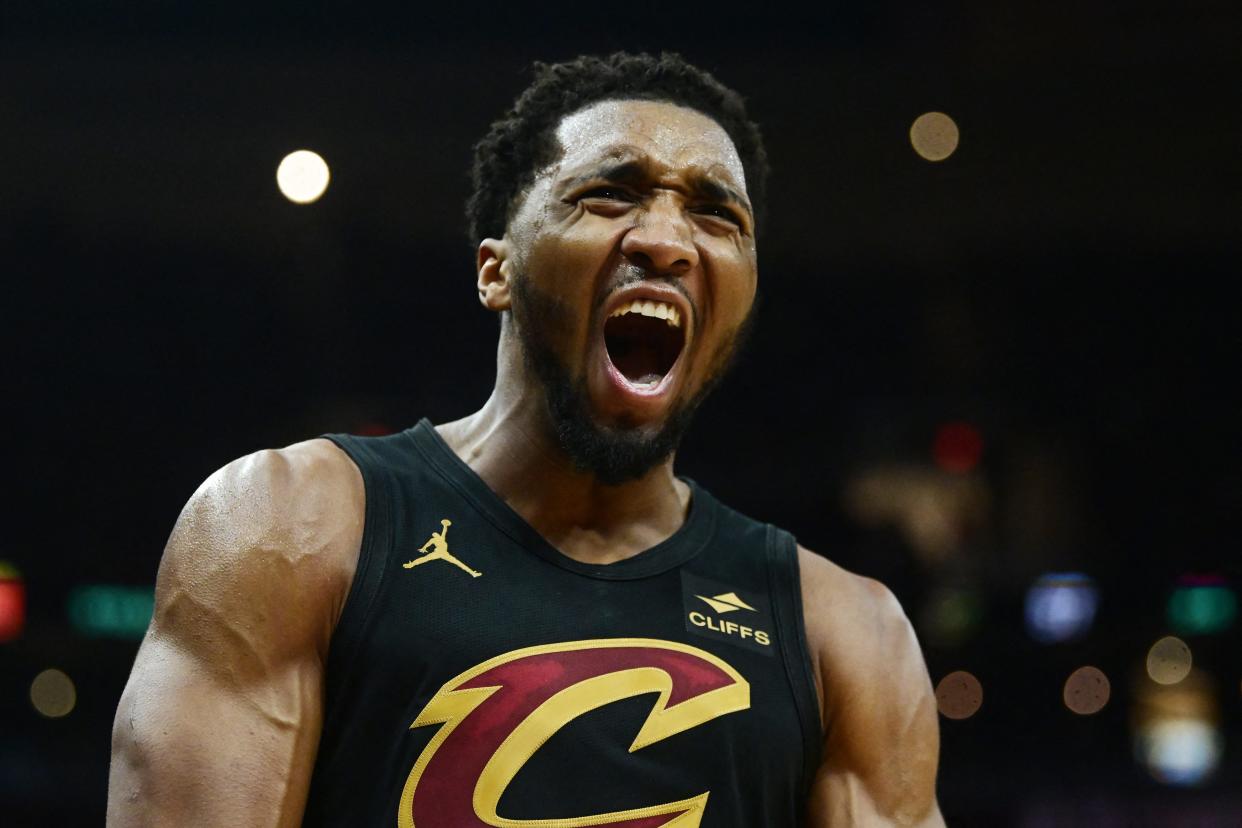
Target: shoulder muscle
[263, 552]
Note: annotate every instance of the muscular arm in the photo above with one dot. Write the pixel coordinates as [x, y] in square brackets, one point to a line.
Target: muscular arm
[881, 732]
[220, 720]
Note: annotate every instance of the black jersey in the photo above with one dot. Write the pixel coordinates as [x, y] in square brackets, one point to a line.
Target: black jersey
[479, 677]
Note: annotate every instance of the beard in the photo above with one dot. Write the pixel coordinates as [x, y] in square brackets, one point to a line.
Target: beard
[613, 454]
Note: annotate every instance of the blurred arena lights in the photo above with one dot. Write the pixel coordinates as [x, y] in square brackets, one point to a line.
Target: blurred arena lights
[1176, 730]
[52, 693]
[959, 695]
[950, 616]
[104, 610]
[934, 136]
[934, 511]
[1060, 606]
[12, 602]
[1201, 605]
[957, 447]
[302, 176]
[1086, 691]
[1169, 660]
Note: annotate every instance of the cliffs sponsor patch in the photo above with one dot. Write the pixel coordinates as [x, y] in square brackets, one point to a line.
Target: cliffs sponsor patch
[727, 612]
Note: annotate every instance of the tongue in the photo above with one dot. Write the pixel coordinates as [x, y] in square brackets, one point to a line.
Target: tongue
[638, 361]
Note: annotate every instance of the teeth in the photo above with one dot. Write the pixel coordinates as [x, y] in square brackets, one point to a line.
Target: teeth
[658, 310]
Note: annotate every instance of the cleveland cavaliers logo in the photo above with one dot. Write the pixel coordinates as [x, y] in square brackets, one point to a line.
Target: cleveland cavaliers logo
[494, 717]
[439, 551]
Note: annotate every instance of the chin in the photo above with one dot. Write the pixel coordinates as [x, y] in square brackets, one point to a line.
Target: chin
[626, 409]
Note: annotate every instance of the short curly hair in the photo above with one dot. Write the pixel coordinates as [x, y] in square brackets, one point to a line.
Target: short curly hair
[523, 141]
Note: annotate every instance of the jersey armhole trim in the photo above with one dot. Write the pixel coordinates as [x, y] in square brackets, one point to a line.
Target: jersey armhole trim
[356, 616]
[785, 580]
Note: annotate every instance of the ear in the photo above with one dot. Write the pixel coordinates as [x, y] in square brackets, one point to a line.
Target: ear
[495, 270]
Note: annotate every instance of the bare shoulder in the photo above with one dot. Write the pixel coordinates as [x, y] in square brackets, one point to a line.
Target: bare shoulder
[859, 636]
[220, 719]
[852, 621]
[268, 542]
[881, 731]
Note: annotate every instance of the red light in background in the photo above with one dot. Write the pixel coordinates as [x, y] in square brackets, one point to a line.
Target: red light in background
[12, 603]
[373, 429]
[958, 447]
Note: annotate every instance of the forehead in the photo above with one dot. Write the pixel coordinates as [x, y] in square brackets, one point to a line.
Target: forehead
[674, 137]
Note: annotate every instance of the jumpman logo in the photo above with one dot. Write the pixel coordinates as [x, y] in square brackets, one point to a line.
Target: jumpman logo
[440, 551]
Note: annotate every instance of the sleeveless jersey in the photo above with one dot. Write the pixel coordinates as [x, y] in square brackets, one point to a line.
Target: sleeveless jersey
[478, 676]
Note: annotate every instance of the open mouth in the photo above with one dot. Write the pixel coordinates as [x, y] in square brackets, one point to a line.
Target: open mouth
[644, 339]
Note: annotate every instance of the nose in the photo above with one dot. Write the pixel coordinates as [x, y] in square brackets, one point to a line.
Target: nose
[662, 241]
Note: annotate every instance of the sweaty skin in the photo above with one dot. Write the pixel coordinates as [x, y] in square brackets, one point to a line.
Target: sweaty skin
[220, 720]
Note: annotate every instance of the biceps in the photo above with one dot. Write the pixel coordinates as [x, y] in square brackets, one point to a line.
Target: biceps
[190, 747]
[881, 751]
[840, 799]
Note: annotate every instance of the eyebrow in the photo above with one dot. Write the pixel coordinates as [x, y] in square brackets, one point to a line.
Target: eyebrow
[634, 172]
[713, 190]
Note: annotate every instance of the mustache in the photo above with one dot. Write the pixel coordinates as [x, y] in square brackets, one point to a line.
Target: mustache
[629, 273]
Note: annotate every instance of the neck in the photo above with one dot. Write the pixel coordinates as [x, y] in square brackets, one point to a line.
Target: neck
[508, 443]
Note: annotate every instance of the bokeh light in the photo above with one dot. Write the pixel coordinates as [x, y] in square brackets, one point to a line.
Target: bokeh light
[934, 511]
[959, 695]
[1182, 751]
[957, 447]
[12, 602]
[52, 693]
[1086, 691]
[107, 610]
[934, 136]
[1201, 605]
[1177, 730]
[1060, 606]
[302, 176]
[1169, 660]
[950, 616]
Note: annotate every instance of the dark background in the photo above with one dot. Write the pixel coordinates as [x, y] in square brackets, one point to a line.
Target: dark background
[1060, 283]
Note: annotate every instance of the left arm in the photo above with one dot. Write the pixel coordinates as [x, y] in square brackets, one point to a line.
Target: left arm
[881, 732]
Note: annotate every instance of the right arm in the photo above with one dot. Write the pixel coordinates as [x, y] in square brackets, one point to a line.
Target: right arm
[219, 722]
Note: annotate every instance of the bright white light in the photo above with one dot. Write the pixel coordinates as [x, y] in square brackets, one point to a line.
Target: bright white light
[302, 176]
[1180, 751]
[1060, 606]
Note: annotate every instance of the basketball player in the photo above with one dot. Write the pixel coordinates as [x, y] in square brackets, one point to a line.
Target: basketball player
[597, 642]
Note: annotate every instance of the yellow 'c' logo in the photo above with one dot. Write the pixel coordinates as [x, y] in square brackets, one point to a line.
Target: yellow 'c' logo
[494, 717]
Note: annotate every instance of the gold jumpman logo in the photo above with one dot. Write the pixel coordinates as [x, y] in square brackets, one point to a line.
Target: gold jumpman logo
[441, 552]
